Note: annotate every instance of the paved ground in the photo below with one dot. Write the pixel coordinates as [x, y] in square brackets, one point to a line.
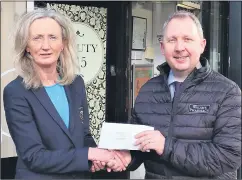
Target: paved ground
[139, 173]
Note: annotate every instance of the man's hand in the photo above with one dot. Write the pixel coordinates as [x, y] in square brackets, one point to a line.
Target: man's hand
[150, 140]
[125, 156]
[120, 162]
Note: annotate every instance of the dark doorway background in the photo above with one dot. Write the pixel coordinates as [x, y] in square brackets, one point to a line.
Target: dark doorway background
[207, 15]
[230, 40]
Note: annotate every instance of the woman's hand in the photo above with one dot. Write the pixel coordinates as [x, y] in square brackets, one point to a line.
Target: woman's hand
[103, 155]
[97, 166]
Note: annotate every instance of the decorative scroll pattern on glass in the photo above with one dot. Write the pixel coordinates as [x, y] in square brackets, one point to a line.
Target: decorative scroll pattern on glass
[96, 90]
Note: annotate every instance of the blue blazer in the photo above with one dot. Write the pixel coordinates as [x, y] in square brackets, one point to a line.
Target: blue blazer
[46, 148]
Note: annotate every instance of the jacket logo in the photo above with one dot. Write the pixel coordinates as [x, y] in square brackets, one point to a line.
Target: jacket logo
[81, 114]
[197, 108]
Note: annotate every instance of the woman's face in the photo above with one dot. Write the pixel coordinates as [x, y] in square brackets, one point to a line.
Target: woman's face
[45, 42]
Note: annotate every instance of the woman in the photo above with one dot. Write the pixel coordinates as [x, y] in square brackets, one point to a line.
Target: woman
[46, 107]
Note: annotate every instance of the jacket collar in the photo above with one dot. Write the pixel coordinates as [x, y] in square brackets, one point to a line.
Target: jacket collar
[195, 75]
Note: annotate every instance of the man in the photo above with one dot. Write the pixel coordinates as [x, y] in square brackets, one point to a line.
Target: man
[196, 112]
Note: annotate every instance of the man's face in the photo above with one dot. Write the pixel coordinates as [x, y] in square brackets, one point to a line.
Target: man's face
[182, 45]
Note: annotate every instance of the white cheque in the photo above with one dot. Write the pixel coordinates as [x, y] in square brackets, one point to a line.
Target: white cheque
[120, 136]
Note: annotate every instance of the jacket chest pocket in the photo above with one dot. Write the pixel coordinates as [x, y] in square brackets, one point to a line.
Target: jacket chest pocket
[199, 108]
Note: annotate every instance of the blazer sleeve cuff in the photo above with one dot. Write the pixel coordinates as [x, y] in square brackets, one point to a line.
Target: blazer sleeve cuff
[81, 159]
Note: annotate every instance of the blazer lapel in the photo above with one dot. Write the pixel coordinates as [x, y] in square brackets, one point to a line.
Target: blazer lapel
[71, 100]
[44, 99]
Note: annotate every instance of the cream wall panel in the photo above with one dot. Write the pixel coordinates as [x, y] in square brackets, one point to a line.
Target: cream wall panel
[10, 11]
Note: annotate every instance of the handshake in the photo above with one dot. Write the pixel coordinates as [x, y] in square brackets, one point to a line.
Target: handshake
[118, 160]
[111, 160]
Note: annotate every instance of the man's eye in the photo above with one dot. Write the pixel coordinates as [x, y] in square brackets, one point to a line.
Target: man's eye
[187, 39]
[171, 40]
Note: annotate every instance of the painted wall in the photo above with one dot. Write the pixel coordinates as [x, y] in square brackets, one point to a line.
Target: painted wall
[10, 11]
[144, 11]
[156, 14]
[161, 12]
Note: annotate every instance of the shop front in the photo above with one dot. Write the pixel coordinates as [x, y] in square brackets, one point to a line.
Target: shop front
[119, 50]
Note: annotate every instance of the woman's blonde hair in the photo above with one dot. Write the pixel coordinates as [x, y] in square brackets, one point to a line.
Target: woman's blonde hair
[67, 62]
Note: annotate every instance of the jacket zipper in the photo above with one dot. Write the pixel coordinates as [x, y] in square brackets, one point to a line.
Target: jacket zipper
[174, 106]
[173, 112]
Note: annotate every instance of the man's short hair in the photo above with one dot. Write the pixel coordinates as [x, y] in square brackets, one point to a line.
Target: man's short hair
[182, 15]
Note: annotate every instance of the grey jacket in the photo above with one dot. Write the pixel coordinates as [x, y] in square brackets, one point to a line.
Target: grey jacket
[202, 125]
